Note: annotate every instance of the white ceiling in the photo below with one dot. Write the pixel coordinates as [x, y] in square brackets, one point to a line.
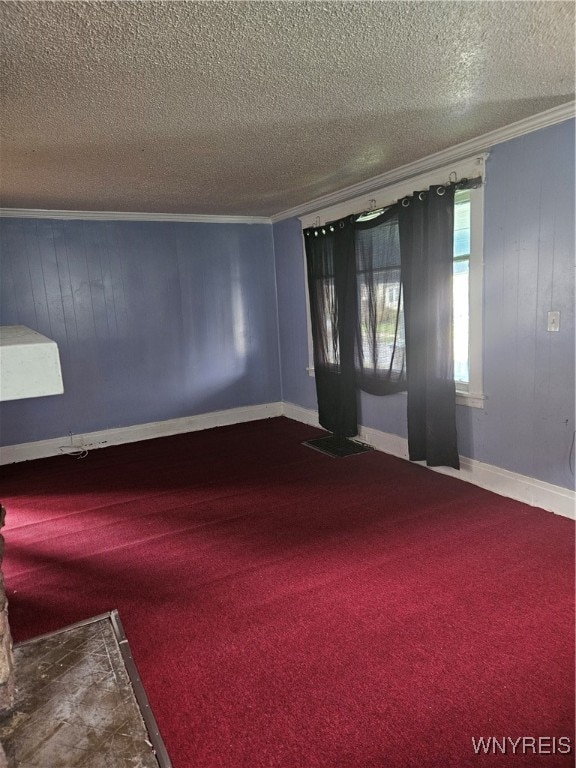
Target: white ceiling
[251, 108]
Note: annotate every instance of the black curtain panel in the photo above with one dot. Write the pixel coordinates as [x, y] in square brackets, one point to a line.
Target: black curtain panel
[426, 226]
[380, 338]
[332, 289]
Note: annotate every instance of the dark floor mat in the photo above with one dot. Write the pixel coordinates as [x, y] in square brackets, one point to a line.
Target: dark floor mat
[338, 447]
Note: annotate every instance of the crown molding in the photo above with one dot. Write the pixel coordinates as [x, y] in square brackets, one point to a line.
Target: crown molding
[33, 213]
[431, 162]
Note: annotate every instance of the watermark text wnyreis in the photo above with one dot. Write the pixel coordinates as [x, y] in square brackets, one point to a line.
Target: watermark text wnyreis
[523, 745]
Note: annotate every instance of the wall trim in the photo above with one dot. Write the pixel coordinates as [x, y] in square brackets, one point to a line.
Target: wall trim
[88, 441]
[528, 490]
[32, 213]
[435, 161]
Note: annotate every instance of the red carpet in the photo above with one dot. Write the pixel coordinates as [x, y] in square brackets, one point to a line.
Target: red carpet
[290, 609]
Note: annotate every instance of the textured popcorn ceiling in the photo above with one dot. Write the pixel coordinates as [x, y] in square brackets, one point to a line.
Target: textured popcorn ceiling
[255, 107]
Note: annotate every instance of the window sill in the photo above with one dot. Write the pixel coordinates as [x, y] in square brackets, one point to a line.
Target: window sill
[468, 399]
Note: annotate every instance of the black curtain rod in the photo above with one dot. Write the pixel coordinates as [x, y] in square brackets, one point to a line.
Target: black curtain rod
[461, 184]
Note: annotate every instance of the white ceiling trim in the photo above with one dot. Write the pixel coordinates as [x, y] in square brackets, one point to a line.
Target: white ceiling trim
[31, 213]
[432, 162]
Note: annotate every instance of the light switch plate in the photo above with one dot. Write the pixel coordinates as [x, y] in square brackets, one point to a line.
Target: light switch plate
[553, 321]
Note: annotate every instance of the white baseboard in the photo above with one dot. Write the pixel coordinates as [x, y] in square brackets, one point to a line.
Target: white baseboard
[536, 493]
[304, 415]
[56, 446]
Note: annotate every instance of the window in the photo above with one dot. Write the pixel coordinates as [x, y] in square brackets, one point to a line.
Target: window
[468, 280]
[387, 296]
[381, 345]
[461, 310]
[387, 305]
[327, 299]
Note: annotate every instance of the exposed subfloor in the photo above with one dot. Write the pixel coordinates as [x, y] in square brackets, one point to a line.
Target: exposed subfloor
[76, 706]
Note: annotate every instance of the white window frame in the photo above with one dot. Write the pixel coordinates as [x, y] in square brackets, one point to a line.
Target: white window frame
[470, 394]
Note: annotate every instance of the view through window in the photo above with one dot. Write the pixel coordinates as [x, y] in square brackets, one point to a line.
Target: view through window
[461, 311]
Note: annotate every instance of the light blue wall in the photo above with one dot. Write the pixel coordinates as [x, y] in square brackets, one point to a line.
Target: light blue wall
[297, 386]
[160, 320]
[153, 320]
[527, 424]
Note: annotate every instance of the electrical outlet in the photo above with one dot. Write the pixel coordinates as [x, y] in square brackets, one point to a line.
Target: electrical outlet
[76, 441]
[553, 321]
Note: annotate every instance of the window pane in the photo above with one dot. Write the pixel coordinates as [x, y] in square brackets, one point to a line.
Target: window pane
[461, 242]
[462, 223]
[382, 321]
[461, 320]
[326, 293]
[461, 295]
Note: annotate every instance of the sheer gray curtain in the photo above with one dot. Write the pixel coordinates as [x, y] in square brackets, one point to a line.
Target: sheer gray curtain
[380, 339]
